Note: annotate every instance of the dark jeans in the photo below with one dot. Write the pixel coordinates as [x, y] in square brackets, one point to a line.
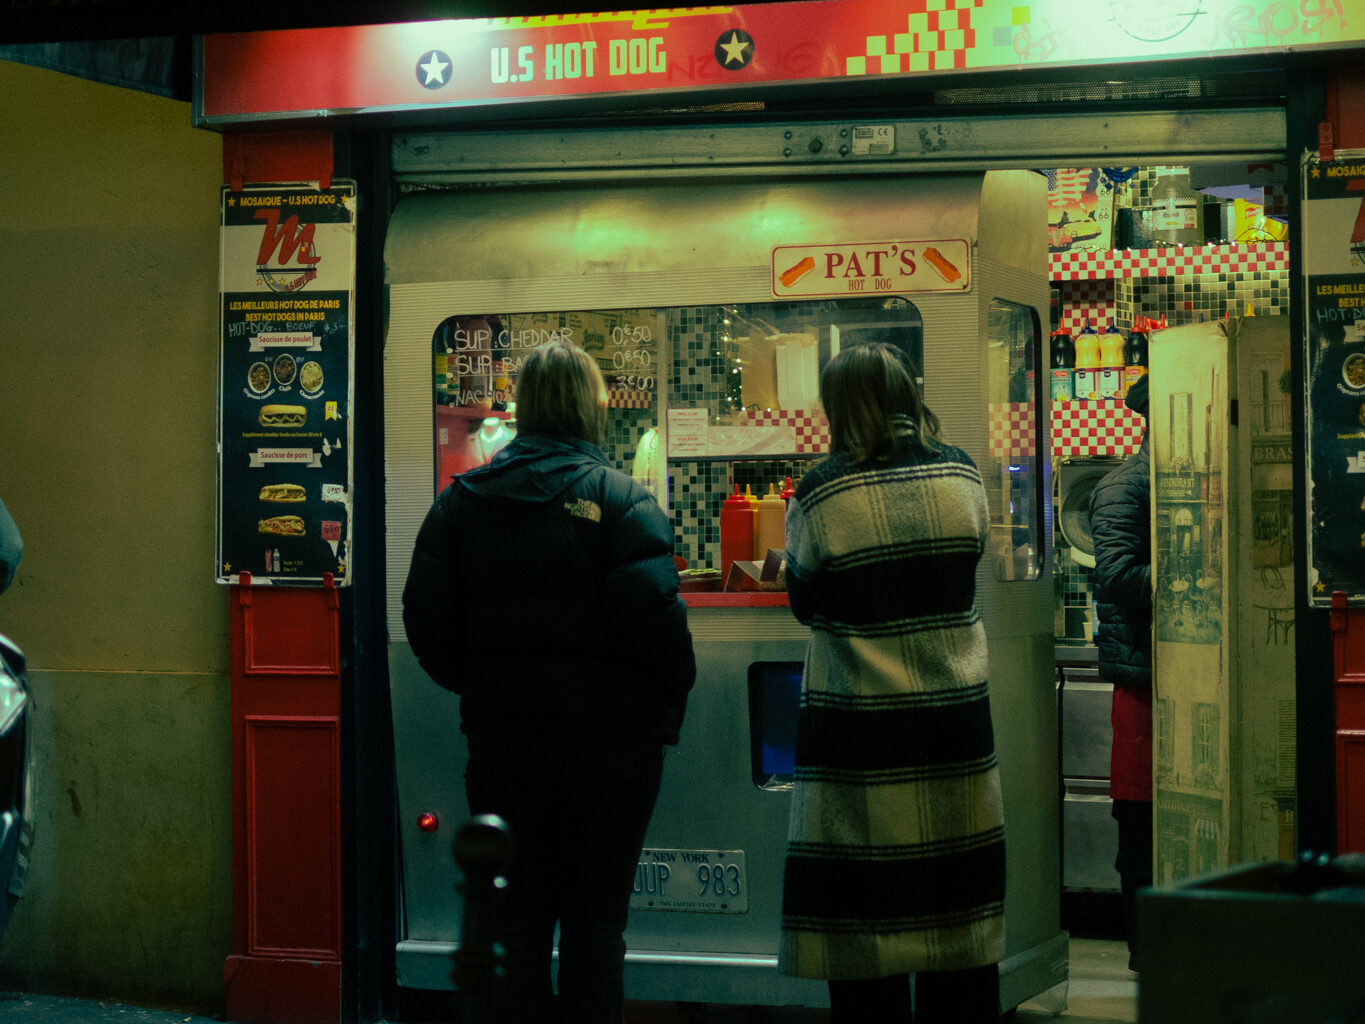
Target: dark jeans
[577, 805]
[970, 996]
[1134, 864]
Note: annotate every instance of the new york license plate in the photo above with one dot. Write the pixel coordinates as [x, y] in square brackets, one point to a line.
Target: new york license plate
[701, 881]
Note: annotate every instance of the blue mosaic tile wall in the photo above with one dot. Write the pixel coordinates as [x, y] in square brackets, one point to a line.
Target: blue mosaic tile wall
[699, 378]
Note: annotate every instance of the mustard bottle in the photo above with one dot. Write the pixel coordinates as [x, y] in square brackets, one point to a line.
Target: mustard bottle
[770, 533]
[1088, 363]
[1111, 363]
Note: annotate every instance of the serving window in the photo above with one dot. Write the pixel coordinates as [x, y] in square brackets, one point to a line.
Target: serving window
[703, 398]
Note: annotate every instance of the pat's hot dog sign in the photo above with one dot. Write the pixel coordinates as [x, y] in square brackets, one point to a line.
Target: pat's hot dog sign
[869, 268]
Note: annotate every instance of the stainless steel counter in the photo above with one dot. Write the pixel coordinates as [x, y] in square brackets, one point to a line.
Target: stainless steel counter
[1075, 654]
[1089, 838]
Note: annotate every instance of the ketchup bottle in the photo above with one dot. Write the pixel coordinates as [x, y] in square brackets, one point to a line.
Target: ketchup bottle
[1063, 361]
[1135, 353]
[788, 491]
[737, 517]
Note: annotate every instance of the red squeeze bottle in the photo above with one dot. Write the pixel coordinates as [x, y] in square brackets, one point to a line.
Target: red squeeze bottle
[737, 517]
[787, 490]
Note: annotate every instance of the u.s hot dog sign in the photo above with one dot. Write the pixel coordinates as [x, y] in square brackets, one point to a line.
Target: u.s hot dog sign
[871, 268]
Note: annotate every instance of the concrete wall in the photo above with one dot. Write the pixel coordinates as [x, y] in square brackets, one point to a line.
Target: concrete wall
[108, 366]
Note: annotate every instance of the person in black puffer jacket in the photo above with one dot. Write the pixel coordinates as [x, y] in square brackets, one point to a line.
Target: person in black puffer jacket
[1120, 523]
[543, 591]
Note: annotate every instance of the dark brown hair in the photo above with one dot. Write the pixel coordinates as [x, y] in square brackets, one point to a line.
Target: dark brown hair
[561, 393]
[865, 389]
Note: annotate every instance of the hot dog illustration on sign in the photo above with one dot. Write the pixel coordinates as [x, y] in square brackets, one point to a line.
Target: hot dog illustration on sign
[942, 264]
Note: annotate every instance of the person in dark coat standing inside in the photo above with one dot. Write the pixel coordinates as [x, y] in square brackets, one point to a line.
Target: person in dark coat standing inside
[1120, 523]
[543, 591]
[896, 852]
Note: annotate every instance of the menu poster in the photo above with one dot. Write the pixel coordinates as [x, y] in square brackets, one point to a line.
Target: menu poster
[1334, 269]
[285, 475]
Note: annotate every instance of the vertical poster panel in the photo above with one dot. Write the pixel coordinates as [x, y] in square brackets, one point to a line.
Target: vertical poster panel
[1191, 713]
[1334, 269]
[285, 474]
[1189, 436]
[1263, 706]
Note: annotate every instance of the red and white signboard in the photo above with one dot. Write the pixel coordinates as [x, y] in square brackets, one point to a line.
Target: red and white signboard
[367, 69]
[871, 268]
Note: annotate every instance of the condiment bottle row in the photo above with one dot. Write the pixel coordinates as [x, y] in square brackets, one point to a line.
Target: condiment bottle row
[1096, 365]
[750, 526]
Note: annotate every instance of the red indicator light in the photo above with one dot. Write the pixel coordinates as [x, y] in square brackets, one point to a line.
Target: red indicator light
[427, 822]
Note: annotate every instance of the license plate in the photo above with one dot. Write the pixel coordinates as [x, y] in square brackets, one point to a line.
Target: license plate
[701, 881]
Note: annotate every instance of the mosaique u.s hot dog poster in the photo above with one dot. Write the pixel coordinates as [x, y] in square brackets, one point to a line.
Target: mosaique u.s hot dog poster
[285, 368]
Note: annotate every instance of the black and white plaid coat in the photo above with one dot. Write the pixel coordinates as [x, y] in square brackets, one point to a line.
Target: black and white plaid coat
[895, 854]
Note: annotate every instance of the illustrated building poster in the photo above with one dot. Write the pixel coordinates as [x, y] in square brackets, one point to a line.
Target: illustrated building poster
[1223, 710]
[1191, 724]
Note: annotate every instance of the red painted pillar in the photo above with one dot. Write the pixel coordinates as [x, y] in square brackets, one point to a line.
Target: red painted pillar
[1347, 106]
[1348, 676]
[285, 966]
[1345, 101]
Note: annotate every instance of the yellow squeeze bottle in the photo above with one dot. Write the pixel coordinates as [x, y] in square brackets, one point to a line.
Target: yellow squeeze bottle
[770, 533]
[1088, 363]
[1111, 363]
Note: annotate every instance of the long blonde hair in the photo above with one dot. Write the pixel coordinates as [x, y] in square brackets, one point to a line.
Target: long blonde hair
[561, 393]
[870, 398]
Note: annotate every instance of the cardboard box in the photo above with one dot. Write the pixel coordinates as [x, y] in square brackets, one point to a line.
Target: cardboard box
[758, 371]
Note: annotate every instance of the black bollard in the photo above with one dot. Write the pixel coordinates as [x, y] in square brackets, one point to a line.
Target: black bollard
[483, 851]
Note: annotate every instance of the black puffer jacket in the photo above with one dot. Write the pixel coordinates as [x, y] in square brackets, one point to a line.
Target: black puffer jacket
[543, 587]
[1120, 517]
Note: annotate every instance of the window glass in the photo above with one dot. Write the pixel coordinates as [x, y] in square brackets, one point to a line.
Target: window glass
[1013, 473]
[750, 372]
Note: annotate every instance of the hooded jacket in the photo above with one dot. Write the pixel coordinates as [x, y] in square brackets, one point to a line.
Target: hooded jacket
[543, 587]
[1120, 524]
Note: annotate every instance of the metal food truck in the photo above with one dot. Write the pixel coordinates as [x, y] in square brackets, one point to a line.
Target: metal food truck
[712, 302]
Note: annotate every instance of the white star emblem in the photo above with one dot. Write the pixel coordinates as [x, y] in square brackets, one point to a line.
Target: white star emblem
[435, 69]
[734, 49]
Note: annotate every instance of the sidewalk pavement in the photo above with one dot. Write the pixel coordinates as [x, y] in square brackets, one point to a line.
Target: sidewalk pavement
[26, 1008]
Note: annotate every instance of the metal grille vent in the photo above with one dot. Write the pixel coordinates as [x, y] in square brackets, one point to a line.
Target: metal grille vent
[1172, 87]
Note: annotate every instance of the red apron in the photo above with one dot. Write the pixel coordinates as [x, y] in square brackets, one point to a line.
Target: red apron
[1130, 762]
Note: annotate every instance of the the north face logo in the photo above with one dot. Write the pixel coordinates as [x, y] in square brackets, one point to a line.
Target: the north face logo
[584, 509]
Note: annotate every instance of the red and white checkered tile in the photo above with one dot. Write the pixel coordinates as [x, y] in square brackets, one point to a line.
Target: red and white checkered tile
[1104, 427]
[1086, 301]
[812, 429]
[1248, 258]
[628, 398]
[1012, 433]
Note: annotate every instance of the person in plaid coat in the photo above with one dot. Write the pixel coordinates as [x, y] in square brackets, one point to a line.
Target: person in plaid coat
[895, 854]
